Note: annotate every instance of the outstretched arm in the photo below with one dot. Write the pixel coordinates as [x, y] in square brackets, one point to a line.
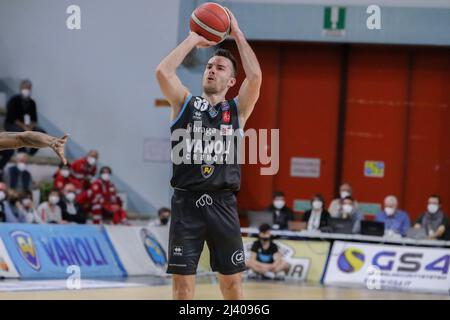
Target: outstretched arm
[170, 84]
[249, 91]
[31, 139]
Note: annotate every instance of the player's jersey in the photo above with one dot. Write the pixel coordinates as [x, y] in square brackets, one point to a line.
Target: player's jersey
[205, 144]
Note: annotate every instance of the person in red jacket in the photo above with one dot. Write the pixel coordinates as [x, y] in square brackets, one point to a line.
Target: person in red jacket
[104, 201]
[63, 177]
[85, 168]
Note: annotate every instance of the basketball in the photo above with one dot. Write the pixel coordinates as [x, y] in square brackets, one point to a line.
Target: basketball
[211, 21]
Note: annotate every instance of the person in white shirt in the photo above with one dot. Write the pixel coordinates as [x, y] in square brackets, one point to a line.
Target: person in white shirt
[27, 207]
[317, 217]
[335, 208]
[49, 211]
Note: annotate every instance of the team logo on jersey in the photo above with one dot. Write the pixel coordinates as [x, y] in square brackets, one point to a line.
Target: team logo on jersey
[207, 170]
[197, 115]
[201, 104]
[226, 116]
[225, 106]
[226, 130]
[213, 111]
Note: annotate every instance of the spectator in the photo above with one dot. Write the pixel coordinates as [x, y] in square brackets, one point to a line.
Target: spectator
[395, 221]
[85, 168]
[317, 217]
[349, 211]
[49, 211]
[63, 177]
[434, 220]
[335, 208]
[21, 114]
[104, 201]
[28, 210]
[163, 218]
[281, 213]
[6, 212]
[71, 210]
[265, 259]
[16, 206]
[18, 177]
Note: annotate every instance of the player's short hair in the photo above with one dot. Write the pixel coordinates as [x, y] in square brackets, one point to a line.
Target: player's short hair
[264, 228]
[227, 54]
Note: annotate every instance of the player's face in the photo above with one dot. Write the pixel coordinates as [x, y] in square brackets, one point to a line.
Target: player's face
[218, 75]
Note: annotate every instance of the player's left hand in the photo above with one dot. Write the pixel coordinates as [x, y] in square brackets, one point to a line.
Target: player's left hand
[234, 24]
[58, 146]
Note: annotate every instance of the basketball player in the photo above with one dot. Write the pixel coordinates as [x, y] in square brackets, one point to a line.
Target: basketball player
[33, 139]
[204, 203]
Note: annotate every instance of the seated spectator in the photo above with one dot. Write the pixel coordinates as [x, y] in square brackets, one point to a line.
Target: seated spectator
[265, 260]
[281, 213]
[317, 217]
[28, 210]
[6, 212]
[18, 177]
[349, 211]
[434, 220]
[335, 208]
[104, 201]
[21, 114]
[163, 218]
[85, 168]
[71, 210]
[395, 221]
[49, 211]
[63, 177]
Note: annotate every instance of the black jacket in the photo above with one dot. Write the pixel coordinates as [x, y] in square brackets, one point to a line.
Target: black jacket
[282, 219]
[324, 218]
[79, 217]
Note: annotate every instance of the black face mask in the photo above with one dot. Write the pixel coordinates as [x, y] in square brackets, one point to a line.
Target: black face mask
[264, 239]
[164, 221]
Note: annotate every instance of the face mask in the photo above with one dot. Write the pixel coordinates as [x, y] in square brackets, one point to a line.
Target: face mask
[347, 208]
[279, 204]
[164, 221]
[105, 176]
[91, 161]
[264, 239]
[433, 208]
[2, 195]
[389, 211]
[27, 202]
[344, 194]
[21, 166]
[65, 173]
[53, 199]
[70, 196]
[317, 205]
[26, 92]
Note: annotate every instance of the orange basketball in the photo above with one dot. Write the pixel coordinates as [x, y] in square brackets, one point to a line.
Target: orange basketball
[211, 21]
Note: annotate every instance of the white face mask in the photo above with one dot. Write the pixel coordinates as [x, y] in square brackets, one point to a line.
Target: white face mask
[317, 205]
[25, 92]
[344, 194]
[70, 196]
[53, 199]
[91, 161]
[2, 195]
[347, 208]
[389, 211]
[21, 166]
[65, 173]
[432, 208]
[105, 176]
[27, 202]
[279, 204]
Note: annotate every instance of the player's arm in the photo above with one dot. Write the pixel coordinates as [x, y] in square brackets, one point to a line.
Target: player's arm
[171, 86]
[249, 91]
[32, 139]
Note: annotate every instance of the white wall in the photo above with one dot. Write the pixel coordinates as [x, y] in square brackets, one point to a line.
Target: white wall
[97, 83]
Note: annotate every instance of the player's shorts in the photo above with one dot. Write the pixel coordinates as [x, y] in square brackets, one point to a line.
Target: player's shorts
[205, 216]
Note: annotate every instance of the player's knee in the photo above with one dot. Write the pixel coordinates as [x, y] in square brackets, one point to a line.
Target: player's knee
[232, 283]
[183, 289]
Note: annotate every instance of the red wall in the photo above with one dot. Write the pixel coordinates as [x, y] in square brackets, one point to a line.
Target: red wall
[396, 110]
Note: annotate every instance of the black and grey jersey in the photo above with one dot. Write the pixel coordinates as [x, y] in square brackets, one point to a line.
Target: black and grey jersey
[205, 144]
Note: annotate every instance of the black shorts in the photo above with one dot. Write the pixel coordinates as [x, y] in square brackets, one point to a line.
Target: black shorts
[205, 216]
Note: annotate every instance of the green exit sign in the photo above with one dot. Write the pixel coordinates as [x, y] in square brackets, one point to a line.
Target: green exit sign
[334, 21]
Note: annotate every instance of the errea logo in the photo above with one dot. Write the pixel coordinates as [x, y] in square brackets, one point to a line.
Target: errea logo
[178, 251]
